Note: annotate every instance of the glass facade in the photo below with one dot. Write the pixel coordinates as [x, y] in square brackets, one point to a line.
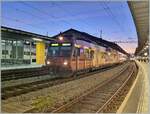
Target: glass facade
[19, 48]
[16, 52]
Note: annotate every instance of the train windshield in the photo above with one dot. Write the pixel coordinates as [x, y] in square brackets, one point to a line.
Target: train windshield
[65, 51]
[59, 51]
[53, 51]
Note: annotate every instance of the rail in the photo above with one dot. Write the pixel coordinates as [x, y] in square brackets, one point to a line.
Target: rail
[16, 90]
[109, 100]
[71, 103]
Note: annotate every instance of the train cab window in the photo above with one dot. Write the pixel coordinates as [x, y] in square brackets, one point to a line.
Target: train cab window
[53, 51]
[65, 51]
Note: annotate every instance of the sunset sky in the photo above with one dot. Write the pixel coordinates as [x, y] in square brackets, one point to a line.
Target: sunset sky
[113, 18]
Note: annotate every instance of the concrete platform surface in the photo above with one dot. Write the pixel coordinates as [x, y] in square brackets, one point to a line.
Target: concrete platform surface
[137, 100]
[21, 66]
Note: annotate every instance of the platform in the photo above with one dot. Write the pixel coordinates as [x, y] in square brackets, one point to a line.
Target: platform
[21, 66]
[137, 100]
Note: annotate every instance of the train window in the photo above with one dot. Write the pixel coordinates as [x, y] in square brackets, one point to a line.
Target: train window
[81, 51]
[53, 51]
[86, 52]
[74, 53]
[78, 51]
[91, 54]
[65, 51]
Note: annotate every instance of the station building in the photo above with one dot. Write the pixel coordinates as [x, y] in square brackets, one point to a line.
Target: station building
[22, 48]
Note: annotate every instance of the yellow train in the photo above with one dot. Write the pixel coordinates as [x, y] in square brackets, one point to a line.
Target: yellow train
[75, 52]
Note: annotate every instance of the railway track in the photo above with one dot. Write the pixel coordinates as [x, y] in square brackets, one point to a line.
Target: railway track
[16, 90]
[106, 97]
[7, 75]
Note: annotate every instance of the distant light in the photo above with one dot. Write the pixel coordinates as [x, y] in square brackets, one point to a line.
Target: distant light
[66, 44]
[145, 54]
[109, 53]
[147, 46]
[36, 39]
[54, 44]
[61, 38]
[48, 62]
[65, 63]
[27, 42]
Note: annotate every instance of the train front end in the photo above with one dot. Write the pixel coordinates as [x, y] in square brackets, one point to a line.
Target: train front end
[58, 59]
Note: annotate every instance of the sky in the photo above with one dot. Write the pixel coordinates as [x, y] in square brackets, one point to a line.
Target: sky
[52, 17]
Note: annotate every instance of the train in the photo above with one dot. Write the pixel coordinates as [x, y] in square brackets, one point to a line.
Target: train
[74, 53]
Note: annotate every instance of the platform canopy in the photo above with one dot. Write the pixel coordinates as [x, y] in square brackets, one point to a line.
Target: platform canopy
[140, 13]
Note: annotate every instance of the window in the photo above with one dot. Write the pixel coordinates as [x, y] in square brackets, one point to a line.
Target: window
[78, 51]
[26, 53]
[91, 54]
[53, 51]
[4, 52]
[81, 51]
[65, 51]
[86, 52]
[59, 51]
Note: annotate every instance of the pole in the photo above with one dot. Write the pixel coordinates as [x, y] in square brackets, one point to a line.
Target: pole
[101, 34]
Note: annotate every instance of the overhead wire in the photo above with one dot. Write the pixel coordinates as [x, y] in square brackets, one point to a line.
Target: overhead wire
[67, 12]
[109, 12]
[22, 22]
[43, 12]
[33, 15]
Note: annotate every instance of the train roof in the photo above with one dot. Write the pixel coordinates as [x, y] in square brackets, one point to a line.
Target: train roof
[97, 40]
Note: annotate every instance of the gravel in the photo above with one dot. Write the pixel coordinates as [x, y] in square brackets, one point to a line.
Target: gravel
[56, 95]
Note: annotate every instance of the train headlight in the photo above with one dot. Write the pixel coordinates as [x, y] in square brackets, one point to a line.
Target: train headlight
[48, 62]
[65, 63]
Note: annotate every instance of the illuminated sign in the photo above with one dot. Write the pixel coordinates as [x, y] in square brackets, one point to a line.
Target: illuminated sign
[66, 44]
[54, 44]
